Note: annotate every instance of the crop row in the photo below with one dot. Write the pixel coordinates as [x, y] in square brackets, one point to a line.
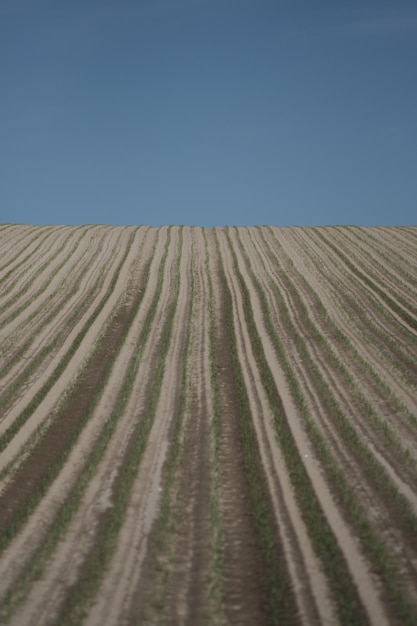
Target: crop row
[295, 328]
[208, 426]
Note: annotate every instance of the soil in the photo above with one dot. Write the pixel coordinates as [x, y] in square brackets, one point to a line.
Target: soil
[160, 568]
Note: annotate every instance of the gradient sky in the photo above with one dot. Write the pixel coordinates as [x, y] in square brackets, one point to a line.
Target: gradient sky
[208, 112]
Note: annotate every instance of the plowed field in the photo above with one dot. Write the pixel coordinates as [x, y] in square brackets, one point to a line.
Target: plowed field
[208, 426]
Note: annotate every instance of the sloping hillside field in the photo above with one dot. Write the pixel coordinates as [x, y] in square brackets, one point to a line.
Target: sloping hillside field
[208, 426]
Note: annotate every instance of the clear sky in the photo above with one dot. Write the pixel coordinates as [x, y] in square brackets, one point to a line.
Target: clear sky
[208, 112]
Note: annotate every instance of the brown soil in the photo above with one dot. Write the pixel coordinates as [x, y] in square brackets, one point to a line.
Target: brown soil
[15, 501]
[173, 585]
[160, 569]
[184, 596]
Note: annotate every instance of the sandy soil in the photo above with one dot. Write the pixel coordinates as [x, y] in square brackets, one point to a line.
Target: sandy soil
[37, 527]
[188, 548]
[73, 368]
[355, 561]
[24, 338]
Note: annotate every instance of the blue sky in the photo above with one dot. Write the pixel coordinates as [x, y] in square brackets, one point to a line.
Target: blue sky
[208, 112]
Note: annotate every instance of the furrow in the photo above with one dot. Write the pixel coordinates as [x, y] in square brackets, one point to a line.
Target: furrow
[380, 333]
[42, 325]
[306, 574]
[357, 566]
[45, 330]
[123, 580]
[375, 470]
[107, 534]
[13, 257]
[398, 240]
[208, 426]
[63, 498]
[49, 388]
[370, 399]
[357, 514]
[382, 271]
[33, 273]
[174, 581]
[396, 307]
[389, 249]
[85, 245]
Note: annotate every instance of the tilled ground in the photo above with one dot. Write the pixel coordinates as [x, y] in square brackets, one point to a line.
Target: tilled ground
[213, 426]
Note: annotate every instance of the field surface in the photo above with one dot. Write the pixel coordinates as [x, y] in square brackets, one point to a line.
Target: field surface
[208, 426]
